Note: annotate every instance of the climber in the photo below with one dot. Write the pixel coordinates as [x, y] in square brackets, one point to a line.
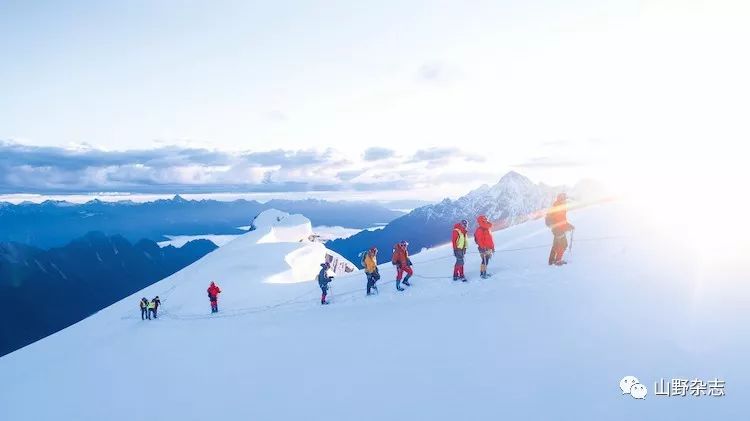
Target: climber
[371, 269]
[144, 308]
[156, 303]
[150, 305]
[323, 280]
[403, 264]
[483, 238]
[557, 221]
[459, 249]
[213, 296]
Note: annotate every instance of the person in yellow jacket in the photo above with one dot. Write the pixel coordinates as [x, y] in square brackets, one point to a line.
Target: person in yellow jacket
[459, 239]
[151, 307]
[371, 269]
[144, 308]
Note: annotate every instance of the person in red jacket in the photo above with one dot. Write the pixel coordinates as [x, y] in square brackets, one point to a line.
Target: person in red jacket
[402, 262]
[557, 221]
[483, 238]
[460, 241]
[213, 295]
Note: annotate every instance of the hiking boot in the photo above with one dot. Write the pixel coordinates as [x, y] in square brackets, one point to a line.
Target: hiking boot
[406, 282]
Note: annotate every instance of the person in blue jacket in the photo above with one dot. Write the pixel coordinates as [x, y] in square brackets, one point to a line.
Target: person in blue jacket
[323, 281]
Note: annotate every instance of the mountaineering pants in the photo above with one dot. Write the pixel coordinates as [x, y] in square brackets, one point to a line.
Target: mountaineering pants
[214, 304]
[458, 268]
[144, 313]
[324, 289]
[371, 282]
[559, 245]
[152, 312]
[459, 253]
[400, 272]
[486, 254]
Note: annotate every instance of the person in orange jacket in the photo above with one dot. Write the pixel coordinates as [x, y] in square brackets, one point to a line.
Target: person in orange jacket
[460, 241]
[557, 221]
[483, 238]
[402, 262]
[213, 296]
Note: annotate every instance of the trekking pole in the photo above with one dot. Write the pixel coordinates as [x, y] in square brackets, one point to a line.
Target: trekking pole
[573, 231]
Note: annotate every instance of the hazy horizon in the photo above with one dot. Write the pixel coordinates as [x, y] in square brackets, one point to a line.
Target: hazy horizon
[430, 196]
[414, 96]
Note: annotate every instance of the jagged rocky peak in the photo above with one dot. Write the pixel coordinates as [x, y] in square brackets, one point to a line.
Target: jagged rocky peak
[513, 180]
[513, 177]
[514, 197]
[511, 183]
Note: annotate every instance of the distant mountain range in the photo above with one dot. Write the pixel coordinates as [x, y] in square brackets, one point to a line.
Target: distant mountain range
[514, 199]
[43, 291]
[54, 223]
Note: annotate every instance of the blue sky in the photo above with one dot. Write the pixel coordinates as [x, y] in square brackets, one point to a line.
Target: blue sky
[430, 97]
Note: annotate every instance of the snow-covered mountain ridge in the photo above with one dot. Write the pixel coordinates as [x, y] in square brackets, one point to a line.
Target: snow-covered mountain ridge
[512, 199]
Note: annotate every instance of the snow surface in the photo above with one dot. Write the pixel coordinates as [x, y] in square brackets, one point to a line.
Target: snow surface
[533, 342]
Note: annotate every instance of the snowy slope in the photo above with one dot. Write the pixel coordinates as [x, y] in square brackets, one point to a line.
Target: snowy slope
[248, 269]
[533, 342]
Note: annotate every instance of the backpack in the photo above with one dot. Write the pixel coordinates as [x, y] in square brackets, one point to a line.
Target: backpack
[394, 258]
[362, 256]
[548, 219]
